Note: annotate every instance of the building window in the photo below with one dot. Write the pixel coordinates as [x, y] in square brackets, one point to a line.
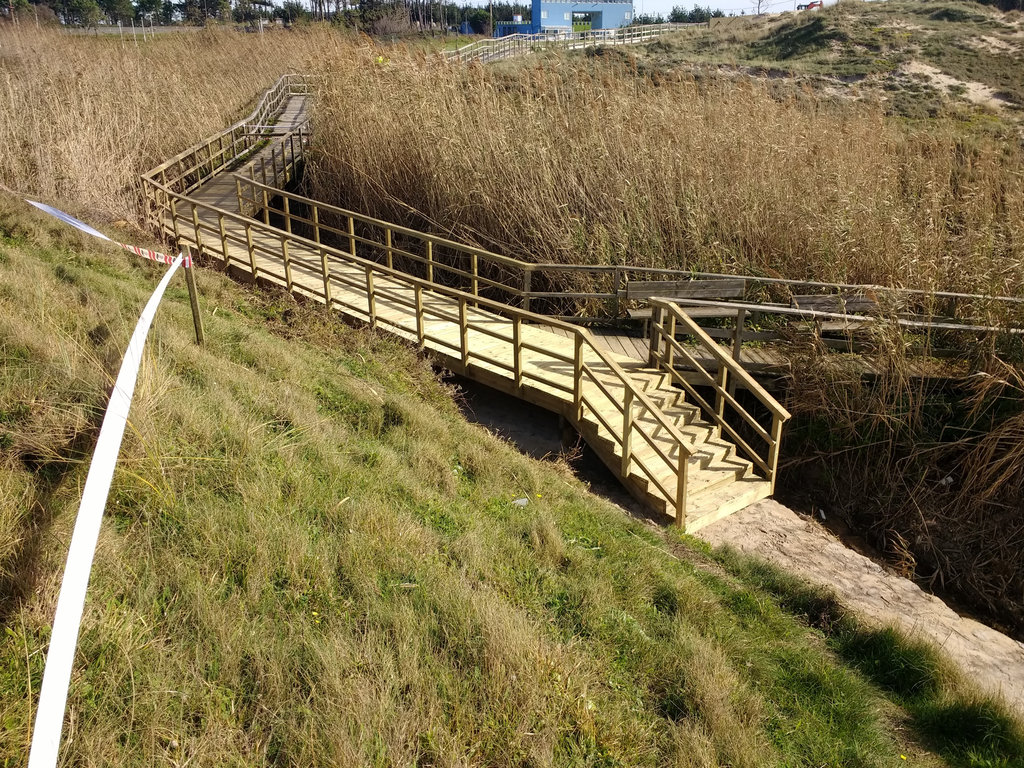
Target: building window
[543, 14]
[566, 16]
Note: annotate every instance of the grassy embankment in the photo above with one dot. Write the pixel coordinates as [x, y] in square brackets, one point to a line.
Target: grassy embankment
[603, 159]
[310, 558]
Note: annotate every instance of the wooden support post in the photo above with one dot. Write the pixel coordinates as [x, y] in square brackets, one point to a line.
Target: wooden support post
[430, 261]
[670, 349]
[577, 376]
[266, 207]
[327, 277]
[174, 219]
[287, 214]
[737, 338]
[273, 164]
[193, 296]
[352, 236]
[195, 227]
[616, 287]
[527, 284]
[463, 331]
[223, 240]
[391, 252]
[721, 381]
[251, 248]
[371, 298]
[316, 224]
[475, 266]
[287, 264]
[517, 351]
[737, 345]
[627, 431]
[773, 450]
[418, 295]
[238, 195]
[655, 330]
[263, 169]
[681, 478]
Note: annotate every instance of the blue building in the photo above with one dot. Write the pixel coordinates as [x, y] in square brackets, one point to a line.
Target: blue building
[571, 17]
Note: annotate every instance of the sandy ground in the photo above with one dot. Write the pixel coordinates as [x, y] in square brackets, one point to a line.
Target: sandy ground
[794, 542]
[801, 546]
[976, 93]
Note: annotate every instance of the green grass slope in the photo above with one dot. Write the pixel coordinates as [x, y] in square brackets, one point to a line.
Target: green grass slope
[310, 558]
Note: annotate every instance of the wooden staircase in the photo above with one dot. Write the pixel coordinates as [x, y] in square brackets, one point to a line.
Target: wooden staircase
[719, 481]
[684, 449]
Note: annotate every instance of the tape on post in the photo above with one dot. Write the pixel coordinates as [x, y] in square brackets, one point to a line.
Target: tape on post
[71, 602]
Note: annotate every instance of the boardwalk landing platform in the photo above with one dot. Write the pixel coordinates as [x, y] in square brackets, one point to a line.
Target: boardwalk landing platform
[656, 432]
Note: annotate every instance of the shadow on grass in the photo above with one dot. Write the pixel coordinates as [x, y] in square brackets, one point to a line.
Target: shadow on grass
[948, 715]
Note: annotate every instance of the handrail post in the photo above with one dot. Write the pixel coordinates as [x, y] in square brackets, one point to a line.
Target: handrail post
[266, 207]
[371, 297]
[773, 450]
[238, 195]
[420, 333]
[223, 239]
[681, 481]
[390, 249]
[251, 248]
[463, 331]
[352, 236]
[316, 223]
[656, 332]
[195, 227]
[627, 431]
[577, 377]
[721, 380]
[287, 263]
[287, 215]
[430, 261]
[527, 285]
[517, 351]
[327, 277]
[671, 335]
[475, 266]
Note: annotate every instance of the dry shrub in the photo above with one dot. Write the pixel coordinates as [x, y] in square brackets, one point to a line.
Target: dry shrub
[81, 117]
[585, 160]
[932, 470]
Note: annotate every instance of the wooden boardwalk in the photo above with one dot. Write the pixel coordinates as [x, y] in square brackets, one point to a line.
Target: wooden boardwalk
[653, 429]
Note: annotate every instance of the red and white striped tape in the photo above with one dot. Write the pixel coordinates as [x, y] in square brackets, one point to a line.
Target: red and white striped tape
[82, 226]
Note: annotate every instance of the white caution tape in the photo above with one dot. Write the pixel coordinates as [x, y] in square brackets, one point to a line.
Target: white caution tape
[71, 602]
[81, 225]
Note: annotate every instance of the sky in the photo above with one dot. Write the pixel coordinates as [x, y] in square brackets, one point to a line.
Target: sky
[728, 6]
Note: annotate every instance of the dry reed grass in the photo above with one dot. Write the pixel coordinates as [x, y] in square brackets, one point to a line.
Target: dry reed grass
[584, 160]
[81, 117]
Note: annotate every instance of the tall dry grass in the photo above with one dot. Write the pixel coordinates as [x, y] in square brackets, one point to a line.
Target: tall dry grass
[81, 116]
[587, 160]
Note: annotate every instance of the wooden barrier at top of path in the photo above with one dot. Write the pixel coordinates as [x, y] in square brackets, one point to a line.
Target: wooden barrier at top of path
[690, 432]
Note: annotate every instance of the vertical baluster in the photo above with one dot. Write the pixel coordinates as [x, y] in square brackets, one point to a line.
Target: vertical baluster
[627, 431]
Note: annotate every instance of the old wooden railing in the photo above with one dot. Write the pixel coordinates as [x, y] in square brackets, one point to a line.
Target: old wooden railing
[669, 322]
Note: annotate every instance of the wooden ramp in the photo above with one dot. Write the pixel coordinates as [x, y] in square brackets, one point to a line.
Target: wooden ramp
[661, 435]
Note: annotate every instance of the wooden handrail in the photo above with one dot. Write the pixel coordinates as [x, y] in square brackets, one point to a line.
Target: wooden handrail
[582, 335]
[663, 347]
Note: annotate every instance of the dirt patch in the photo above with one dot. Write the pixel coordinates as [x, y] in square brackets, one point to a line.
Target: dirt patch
[976, 93]
[805, 548]
[991, 44]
